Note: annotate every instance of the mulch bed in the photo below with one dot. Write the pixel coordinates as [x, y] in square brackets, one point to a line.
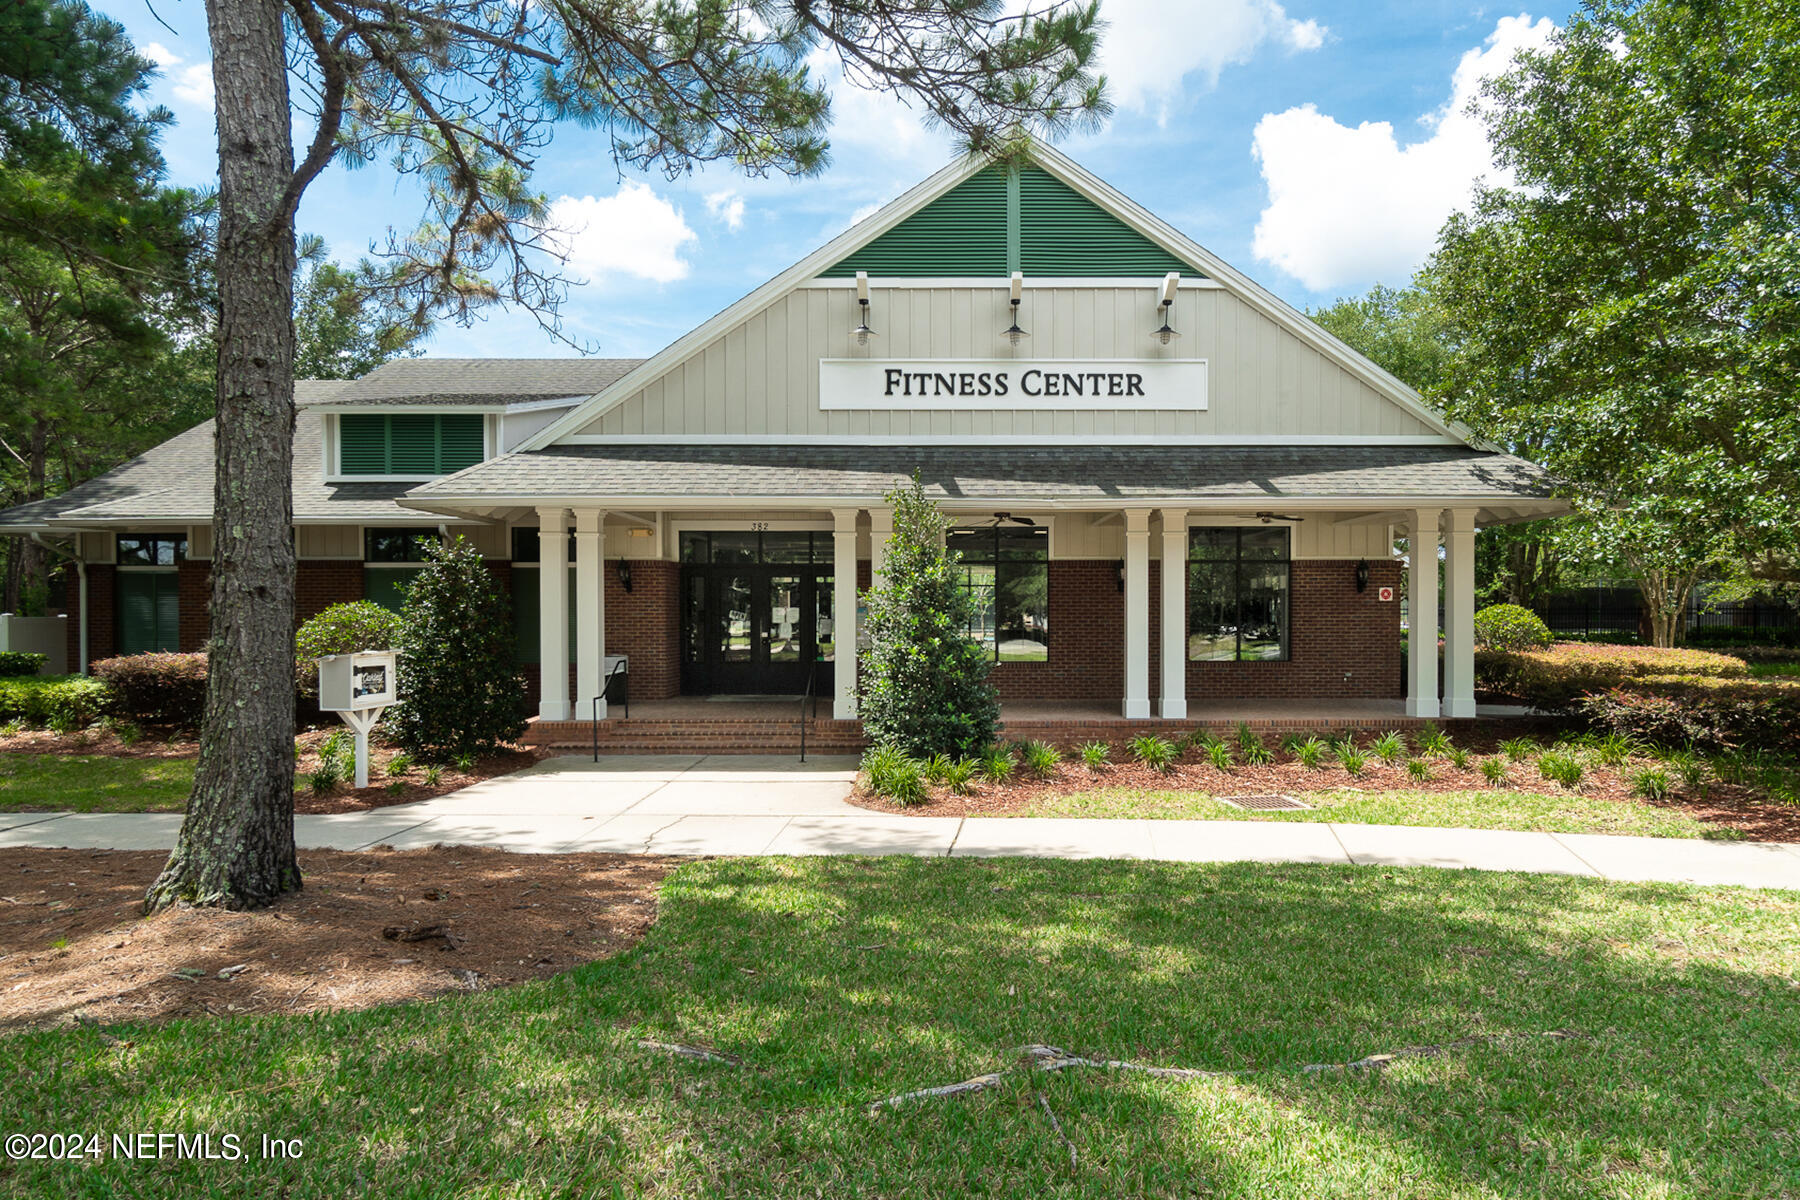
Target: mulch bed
[383, 790]
[369, 928]
[1726, 805]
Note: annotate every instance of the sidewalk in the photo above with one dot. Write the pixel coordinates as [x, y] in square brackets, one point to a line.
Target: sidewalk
[693, 805]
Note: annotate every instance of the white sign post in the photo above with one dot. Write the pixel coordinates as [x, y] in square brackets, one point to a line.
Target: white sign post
[359, 687]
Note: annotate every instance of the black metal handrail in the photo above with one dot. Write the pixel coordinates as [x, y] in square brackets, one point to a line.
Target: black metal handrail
[812, 675]
[594, 718]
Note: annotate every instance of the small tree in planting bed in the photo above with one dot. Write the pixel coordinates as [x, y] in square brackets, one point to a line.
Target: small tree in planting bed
[926, 688]
[460, 689]
[341, 629]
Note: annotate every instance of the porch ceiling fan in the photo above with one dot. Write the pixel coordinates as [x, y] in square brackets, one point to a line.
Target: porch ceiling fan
[1001, 518]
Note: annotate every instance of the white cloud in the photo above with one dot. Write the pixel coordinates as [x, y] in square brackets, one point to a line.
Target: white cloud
[632, 232]
[195, 85]
[866, 211]
[726, 206]
[1349, 206]
[159, 54]
[1150, 46]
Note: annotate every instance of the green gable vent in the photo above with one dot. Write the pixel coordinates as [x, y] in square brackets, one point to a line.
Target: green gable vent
[1056, 231]
[1062, 232]
[961, 233]
[408, 443]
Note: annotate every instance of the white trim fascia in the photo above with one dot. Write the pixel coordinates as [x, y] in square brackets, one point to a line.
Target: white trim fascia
[1195, 284]
[747, 306]
[746, 524]
[395, 406]
[530, 406]
[336, 479]
[1199, 502]
[990, 440]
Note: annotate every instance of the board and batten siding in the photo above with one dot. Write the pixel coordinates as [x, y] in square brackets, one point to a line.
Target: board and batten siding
[761, 378]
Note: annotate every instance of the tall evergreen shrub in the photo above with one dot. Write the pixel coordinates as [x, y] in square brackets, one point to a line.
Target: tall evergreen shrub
[925, 685]
[460, 687]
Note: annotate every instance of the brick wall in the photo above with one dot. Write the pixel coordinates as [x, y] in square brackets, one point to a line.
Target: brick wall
[102, 597]
[193, 591]
[644, 624]
[321, 582]
[1087, 630]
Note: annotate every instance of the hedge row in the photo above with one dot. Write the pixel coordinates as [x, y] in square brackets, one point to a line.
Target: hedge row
[58, 701]
[1735, 635]
[14, 663]
[1710, 712]
[156, 689]
[1556, 679]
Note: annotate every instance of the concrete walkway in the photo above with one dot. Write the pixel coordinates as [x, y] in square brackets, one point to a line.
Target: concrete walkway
[757, 805]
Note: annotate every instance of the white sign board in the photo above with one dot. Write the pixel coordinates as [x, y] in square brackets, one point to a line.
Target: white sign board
[979, 384]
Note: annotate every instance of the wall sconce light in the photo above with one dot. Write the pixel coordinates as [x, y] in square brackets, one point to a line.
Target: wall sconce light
[1171, 281]
[1119, 566]
[862, 333]
[624, 573]
[1362, 575]
[1014, 334]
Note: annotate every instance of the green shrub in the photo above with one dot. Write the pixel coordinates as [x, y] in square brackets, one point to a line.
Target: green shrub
[959, 776]
[1157, 753]
[1310, 754]
[1094, 755]
[1510, 627]
[1418, 769]
[926, 685]
[1494, 770]
[1291, 743]
[326, 776]
[400, 764]
[1459, 758]
[1689, 768]
[1041, 759]
[1733, 635]
[157, 689]
[461, 692]
[997, 763]
[1252, 748]
[17, 663]
[882, 766]
[433, 773]
[1556, 679]
[1613, 749]
[1707, 712]
[1561, 768]
[1219, 755]
[1432, 740]
[341, 629]
[1519, 748]
[72, 701]
[936, 769]
[1650, 783]
[1389, 747]
[1351, 759]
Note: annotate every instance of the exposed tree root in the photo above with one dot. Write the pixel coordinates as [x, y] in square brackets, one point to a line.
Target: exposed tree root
[698, 1052]
[1057, 1125]
[1038, 1057]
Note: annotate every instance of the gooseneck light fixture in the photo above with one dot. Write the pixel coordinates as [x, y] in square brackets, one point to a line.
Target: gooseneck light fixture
[1014, 334]
[862, 333]
[1166, 334]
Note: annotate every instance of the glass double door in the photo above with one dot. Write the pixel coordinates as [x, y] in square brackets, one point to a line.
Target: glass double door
[756, 629]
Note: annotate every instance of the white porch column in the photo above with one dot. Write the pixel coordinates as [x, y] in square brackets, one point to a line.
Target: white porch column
[1459, 613]
[1137, 613]
[590, 610]
[881, 528]
[843, 612]
[553, 614]
[1173, 706]
[1422, 611]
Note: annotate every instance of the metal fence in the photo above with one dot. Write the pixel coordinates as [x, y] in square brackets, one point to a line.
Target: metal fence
[1606, 610]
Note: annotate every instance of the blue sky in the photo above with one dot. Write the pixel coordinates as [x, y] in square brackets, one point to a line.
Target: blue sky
[1316, 146]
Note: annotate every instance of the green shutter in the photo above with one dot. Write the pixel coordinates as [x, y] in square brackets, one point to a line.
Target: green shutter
[409, 443]
[526, 614]
[961, 233]
[1062, 232]
[362, 443]
[149, 612]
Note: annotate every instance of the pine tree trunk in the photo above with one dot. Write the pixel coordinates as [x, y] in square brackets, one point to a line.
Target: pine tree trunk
[236, 847]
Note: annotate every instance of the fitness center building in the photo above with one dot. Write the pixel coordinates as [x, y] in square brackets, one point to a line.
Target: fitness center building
[1166, 484]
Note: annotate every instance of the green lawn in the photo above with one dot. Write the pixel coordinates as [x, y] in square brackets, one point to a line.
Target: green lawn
[841, 981]
[1557, 813]
[93, 783]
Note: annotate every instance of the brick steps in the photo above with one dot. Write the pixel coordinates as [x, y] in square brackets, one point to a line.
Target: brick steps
[709, 736]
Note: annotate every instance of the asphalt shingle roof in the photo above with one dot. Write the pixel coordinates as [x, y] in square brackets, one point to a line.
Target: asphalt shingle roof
[1100, 473]
[482, 381]
[174, 482]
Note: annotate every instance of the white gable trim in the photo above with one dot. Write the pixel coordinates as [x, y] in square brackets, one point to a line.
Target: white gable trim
[805, 273]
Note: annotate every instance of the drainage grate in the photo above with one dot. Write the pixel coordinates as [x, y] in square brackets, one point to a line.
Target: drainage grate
[1270, 803]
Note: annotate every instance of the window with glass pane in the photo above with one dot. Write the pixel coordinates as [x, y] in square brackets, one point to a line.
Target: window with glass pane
[1006, 574]
[1238, 594]
[397, 545]
[151, 550]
